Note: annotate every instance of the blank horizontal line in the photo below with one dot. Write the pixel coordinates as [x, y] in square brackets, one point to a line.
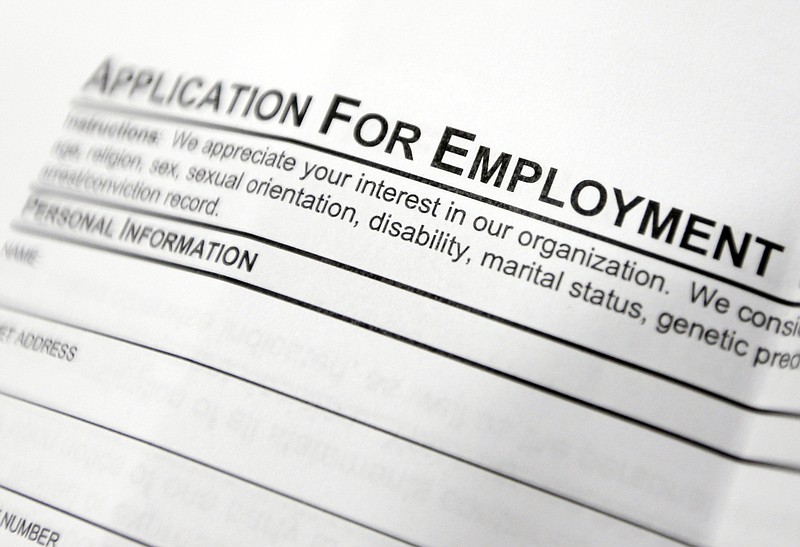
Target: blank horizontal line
[201, 463]
[86, 103]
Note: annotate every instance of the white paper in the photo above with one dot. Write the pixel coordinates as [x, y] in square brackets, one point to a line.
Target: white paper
[364, 274]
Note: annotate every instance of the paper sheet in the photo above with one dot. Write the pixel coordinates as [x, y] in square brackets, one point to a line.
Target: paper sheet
[363, 274]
